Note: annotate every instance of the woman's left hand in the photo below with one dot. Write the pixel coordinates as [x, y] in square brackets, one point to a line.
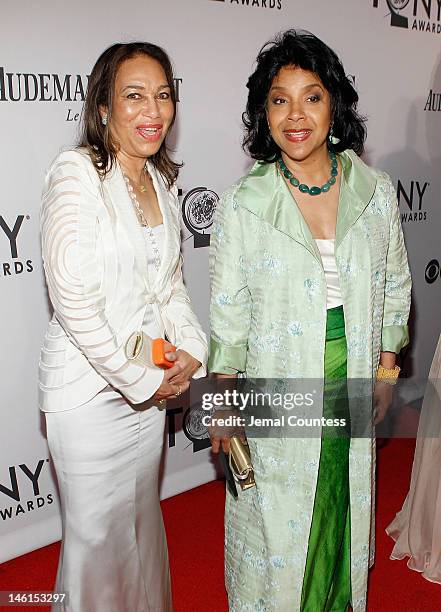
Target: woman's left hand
[189, 365]
[383, 392]
[383, 395]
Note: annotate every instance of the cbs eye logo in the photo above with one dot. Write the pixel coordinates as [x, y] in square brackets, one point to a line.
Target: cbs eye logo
[432, 271]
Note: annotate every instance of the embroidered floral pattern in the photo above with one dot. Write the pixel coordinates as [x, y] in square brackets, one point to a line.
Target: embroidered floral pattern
[294, 328]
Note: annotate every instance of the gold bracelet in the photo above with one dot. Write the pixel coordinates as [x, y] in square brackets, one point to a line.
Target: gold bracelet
[389, 376]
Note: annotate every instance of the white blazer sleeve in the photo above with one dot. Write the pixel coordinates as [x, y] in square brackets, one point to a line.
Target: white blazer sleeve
[69, 230]
[187, 332]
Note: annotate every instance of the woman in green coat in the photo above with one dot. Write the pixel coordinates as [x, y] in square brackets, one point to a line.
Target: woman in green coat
[310, 280]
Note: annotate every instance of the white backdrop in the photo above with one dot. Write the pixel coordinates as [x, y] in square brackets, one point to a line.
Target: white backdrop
[392, 47]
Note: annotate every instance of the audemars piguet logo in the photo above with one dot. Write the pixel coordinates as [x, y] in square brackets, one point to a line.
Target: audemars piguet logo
[41, 87]
[420, 15]
[433, 102]
[44, 87]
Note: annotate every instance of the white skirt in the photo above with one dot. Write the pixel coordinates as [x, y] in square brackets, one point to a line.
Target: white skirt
[114, 553]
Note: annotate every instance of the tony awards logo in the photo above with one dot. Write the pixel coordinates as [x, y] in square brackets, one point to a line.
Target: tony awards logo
[194, 428]
[23, 493]
[198, 210]
[14, 263]
[396, 18]
[191, 423]
[420, 15]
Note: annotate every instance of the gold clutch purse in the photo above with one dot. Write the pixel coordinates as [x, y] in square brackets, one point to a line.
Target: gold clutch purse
[240, 463]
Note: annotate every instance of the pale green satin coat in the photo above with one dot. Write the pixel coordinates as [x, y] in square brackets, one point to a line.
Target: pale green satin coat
[268, 319]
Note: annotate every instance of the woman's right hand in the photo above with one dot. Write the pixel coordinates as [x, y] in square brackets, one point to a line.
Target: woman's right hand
[220, 435]
[218, 442]
[167, 389]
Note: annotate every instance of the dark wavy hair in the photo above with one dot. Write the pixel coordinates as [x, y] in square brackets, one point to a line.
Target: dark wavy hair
[95, 136]
[304, 50]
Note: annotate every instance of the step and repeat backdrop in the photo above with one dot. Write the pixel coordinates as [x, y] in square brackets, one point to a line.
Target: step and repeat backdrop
[390, 47]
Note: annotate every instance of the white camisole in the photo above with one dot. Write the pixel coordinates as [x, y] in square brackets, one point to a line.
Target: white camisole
[333, 293]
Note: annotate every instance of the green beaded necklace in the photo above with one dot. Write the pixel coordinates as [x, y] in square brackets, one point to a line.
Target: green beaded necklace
[314, 191]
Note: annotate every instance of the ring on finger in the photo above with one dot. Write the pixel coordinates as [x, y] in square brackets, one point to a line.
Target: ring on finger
[179, 391]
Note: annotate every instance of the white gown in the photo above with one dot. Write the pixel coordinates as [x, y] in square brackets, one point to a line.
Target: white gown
[416, 529]
[107, 454]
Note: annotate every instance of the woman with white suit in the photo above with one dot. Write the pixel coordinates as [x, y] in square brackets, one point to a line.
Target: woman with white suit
[110, 227]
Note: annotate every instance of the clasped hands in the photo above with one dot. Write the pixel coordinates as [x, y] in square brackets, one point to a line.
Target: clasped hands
[177, 378]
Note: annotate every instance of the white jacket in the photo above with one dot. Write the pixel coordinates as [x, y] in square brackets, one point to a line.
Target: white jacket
[95, 262]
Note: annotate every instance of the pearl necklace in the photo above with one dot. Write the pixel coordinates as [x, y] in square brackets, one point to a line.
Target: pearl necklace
[143, 221]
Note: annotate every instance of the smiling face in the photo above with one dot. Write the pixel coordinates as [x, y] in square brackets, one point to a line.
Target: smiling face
[142, 109]
[299, 113]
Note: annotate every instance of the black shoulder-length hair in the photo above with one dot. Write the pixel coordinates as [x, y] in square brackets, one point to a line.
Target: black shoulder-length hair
[95, 136]
[304, 50]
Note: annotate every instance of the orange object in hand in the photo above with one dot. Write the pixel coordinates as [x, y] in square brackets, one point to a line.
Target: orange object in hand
[158, 353]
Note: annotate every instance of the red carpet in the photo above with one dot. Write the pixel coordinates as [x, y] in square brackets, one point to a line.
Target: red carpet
[194, 522]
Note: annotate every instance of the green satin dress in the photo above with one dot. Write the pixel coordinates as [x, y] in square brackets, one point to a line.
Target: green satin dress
[327, 579]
